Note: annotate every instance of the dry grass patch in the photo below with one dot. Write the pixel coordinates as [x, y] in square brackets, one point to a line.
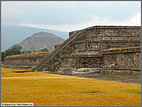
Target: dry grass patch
[53, 89]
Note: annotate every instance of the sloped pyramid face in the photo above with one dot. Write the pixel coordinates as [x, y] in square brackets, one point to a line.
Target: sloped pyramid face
[84, 48]
[52, 62]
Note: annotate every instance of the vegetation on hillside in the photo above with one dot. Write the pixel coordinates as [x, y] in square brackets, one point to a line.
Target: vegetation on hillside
[16, 50]
[45, 49]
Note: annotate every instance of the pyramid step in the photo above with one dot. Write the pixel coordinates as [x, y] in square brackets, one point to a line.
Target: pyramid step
[87, 70]
[56, 51]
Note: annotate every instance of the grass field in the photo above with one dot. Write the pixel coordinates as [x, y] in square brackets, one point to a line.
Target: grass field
[53, 89]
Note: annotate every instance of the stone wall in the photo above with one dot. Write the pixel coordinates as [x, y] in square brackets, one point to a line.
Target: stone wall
[123, 60]
[57, 45]
[24, 61]
[106, 48]
[87, 49]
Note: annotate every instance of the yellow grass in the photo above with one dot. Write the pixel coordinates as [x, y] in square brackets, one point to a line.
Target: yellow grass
[28, 55]
[120, 48]
[56, 90]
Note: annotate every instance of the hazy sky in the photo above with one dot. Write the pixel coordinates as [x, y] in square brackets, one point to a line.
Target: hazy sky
[72, 15]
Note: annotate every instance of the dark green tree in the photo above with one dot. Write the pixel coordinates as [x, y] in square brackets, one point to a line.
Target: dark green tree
[12, 51]
[24, 52]
[45, 49]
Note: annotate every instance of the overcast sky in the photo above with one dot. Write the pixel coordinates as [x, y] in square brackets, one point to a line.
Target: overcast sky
[72, 15]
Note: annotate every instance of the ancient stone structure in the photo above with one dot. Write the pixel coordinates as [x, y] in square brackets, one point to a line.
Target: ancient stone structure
[122, 61]
[97, 49]
[24, 61]
[107, 49]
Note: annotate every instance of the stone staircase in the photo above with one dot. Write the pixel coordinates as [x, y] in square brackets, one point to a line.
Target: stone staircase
[40, 66]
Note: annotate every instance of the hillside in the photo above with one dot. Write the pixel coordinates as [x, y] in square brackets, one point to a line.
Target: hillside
[39, 41]
[14, 34]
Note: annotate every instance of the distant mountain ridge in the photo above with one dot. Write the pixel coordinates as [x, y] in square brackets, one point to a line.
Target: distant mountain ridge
[39, 41]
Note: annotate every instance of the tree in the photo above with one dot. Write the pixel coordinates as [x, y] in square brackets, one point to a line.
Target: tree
[13, 51]
[45, 49]
[24, 52]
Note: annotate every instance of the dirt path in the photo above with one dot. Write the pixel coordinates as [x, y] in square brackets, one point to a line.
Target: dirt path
[119, 78]
[127, 79]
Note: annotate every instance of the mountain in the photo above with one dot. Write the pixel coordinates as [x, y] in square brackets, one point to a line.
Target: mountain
[11, 35]
[39, 41]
